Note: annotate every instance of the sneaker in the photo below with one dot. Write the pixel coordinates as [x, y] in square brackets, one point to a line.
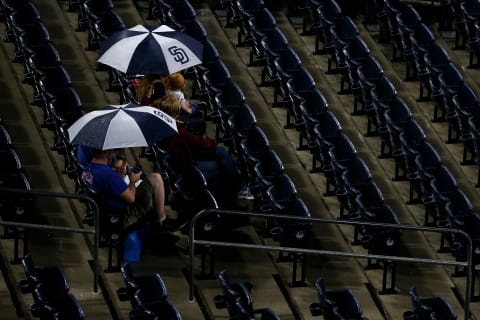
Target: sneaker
[169, 224]
[245, 194]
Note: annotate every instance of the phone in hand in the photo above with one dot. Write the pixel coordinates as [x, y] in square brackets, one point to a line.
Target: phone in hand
[135, 169]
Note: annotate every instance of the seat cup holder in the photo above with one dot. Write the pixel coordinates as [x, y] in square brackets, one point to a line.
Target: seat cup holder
[122, 294]
[409, 315]
[25, 286]
[136, 314]
[36, 310]
[220, 302]
[316, 309]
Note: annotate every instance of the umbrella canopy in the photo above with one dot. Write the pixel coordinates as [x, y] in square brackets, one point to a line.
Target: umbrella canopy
[122, 126]
[150, 50]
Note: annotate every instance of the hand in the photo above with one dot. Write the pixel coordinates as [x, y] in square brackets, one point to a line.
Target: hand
[135, 177]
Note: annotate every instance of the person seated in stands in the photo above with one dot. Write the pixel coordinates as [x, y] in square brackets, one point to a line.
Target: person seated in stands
[190, 113]
[187, 150]
[110, 175]
[151, 88]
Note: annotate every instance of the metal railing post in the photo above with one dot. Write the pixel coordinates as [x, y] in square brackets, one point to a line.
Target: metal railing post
[467, 264]
[96, 230]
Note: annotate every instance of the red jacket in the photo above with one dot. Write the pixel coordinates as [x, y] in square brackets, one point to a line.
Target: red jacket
[186, 148]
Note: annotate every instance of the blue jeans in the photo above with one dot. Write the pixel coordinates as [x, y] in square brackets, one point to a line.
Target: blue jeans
[221, 170]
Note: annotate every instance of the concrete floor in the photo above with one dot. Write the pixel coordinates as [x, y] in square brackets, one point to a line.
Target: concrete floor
[270, 277]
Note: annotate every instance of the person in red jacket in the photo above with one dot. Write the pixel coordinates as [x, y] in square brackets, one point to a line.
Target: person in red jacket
[187, 150]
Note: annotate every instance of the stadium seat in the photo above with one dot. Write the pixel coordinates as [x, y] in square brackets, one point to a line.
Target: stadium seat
[53, 80]
[91, 11]
[421, 171]
[103, 27]
[253, 146]
[214, 79]
[328, 11]
[53, 278]
[443, 186]
[269, 168]
[435, 59]
[341, 152]
[408, 21]
[343, 300]
[369, 72]
[274, 42]
[278, 195]
[256, 27]
[20, 18]
[5, 139]
[429, 308]
[350, 183]
[299, 86]
[11, 163]
[369, 202]
[451, 79]
[356, 52]
[421, 41]
[471, 16]
[396, 117]
[209, 58]
[29, 39]
[411, 138]
[343, 31]
[152, 285]
[383, 95]
[236, 297]
[466, 103]
[226, 100]
[326, 132]
[161, 309]
[239, 122]
[39, 61]
[64, 306]
[196, 30]
[392, 8]
[181, 15]
[311, 109]
[284, 68]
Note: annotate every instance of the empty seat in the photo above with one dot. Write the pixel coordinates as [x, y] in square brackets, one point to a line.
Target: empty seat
[103, 27]
[311, 109]
[451, 79]
[162, 309]
[383, 95]
[53, 279]
[328, 11]
[343, 31]
[429, 308]
[356, 52]
[396, 117]
[369, 72]
[326, 131]
[181, 15]
[55, 307]
[466, 103]
[299, 86]
[343, 300]
[236, 297]
[408, 20]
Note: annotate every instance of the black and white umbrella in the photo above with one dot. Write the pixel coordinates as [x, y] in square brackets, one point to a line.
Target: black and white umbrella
[122, 126]
[150, 50]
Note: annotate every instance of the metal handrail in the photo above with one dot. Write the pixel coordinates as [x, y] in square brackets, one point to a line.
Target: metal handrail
[95, 230]
[467, 264]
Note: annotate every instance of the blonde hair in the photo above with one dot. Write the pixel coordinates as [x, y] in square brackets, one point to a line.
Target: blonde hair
[168, 104]
[176, 81]
[146, 82]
